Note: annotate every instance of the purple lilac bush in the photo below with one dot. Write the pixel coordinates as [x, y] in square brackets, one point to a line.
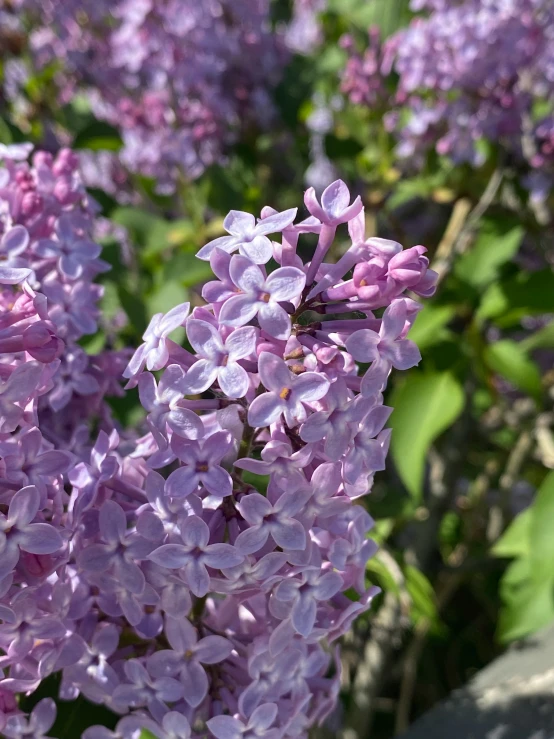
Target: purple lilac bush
[195, 579]
[179, 79]
[467, 71]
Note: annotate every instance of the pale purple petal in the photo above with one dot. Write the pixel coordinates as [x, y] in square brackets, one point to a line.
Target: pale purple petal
[24, 506]
[213, 649]
[195, 532]
[197, 577]
[263, 717]
[335, 199]
[40, 538]
[328, 585]
[274, 372]
[96, 558]
[303, 615]
[172, 556]
[200, 376]
[276, 222]
[394, 319]
[265, 410]
[225, 727]
[217, 481]
[185, 422]
[195, 683]
[204, 337]
[286, 283]
[233, 380]
[289, 535]
[274, 320]
[403, 354]
[239, 223]
[310, 386]
[259, 249]
[238, 310]
[254, 507]
[112, 522]
[181, 482]
[252, 539]
[245, 274]
[241, 343]
[227, 244]
[174, 318]
[221, 556]
[363, 345]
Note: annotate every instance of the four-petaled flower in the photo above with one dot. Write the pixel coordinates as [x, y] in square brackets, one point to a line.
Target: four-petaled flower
[164, 401]
[18, 533]
[268, 520]
[335, 205]
[218, 359]
[154, 352]
[258, 725]
[194, 555]
[186, 657]
[288, 393]
[305, 593]
[249, 237]
[262, 296]
[201, 465]
[386, 346]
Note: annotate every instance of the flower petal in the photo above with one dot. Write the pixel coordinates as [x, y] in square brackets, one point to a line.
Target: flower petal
[40, 538]
[265, 410]
[221, 556]
[289, 534]
[238, 310]
[200, 376]
[274, 320]
[213, 649]
[286, 283]
[181, 482]
[195, 532]
[233, 380]
[172, 556]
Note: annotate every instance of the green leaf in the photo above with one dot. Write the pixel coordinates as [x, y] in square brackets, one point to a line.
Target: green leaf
[145, 734]
[138, 222]
[98, 136]
[541, 339]
[516, 540]
[497, 242]
[532, 609]
[522, 294]
[429, 326]
[422, 594]
[424, 407]
[541, 531]
[510, 361]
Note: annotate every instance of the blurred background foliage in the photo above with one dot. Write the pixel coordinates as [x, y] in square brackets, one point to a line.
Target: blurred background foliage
[465, 512]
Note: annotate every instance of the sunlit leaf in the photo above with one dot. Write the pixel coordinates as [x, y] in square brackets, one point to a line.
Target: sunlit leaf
[424, 407]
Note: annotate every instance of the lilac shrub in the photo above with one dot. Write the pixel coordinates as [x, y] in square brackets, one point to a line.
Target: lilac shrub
[179, 79]
[193, 580]
[468, 72]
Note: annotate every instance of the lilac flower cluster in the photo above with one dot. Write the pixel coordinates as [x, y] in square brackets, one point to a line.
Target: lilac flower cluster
[178, 78]
[469, 71]
[195, 579]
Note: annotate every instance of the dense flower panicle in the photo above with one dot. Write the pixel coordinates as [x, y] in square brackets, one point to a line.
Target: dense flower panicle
[467, 71]
[179, 79]
[193, 580]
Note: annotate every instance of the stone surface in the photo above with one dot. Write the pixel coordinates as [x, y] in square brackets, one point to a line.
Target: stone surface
[513, 698]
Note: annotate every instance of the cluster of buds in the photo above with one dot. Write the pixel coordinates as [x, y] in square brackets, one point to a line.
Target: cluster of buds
[194, 580]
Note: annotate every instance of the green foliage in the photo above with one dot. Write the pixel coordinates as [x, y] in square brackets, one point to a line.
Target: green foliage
[527, 587]
[512, 362]
[498, 240]
[425, 405]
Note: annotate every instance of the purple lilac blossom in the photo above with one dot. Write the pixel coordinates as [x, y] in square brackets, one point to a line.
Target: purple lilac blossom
[468, 72]
[179, 79]
[145, 570]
